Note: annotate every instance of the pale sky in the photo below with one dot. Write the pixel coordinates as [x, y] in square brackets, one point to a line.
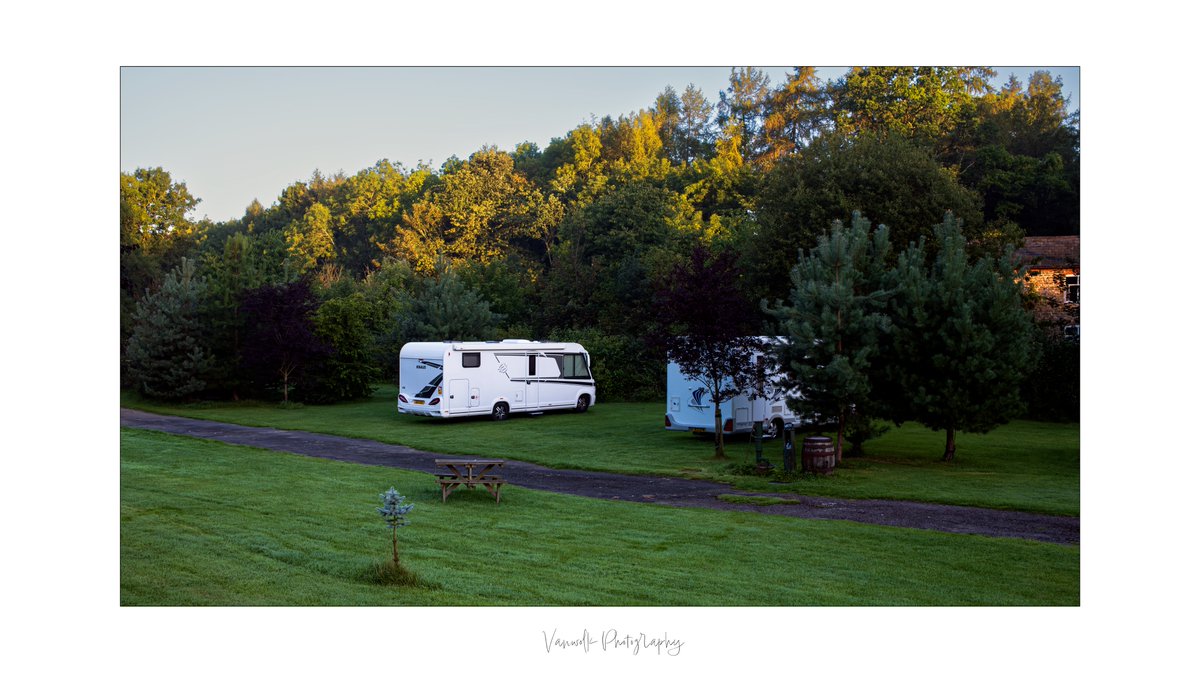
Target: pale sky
[237, 134]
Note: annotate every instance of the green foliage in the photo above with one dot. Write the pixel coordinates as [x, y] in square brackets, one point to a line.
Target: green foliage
[608, 259]
[835, 321]
[388, 291]
[695, 125]
[166, 356]
[741, 109]
[349, 370]
[310, 240]
[154, 210]
[625, 368]
[886, 178]
[797, 112]
[860, 428]
[1051, 389]
[961, 339]
[445, 308]
[934, 105]
[239, 266]
[155, 234]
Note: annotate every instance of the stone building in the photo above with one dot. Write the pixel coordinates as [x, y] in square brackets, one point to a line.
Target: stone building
[1052, 270]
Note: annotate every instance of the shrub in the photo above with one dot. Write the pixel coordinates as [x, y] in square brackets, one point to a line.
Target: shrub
[625, 368]
[1051, 391]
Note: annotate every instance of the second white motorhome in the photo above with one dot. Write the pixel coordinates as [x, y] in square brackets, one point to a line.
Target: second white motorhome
[690, 408]
[458, 379]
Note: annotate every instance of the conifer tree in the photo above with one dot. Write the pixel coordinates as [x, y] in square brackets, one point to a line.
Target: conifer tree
[445, 308]
[961, 342]
[166, 357]
[834, 321]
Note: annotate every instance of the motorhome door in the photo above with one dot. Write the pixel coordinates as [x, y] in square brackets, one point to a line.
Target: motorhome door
[459, 400]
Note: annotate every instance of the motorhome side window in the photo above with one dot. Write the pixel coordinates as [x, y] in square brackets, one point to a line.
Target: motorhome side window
[470, 359]
[574, 366]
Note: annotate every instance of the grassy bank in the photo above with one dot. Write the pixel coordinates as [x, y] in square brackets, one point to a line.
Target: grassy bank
[1029, 466]
[205, 523]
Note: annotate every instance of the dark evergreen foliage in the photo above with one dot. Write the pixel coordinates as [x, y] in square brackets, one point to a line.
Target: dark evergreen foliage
[166, 357]
[834, 322]
[961, 341]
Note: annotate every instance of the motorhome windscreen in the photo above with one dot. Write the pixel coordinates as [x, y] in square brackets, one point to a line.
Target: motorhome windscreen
[420, 378]
[572, 366]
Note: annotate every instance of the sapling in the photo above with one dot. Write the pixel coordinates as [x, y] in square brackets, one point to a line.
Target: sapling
[393, 511]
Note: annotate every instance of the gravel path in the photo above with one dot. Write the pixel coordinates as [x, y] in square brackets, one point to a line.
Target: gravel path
[642, 489]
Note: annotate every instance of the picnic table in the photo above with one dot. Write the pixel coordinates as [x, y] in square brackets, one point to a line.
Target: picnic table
[469, 472]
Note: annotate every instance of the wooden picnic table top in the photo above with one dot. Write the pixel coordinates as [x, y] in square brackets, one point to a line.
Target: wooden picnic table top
[444, 462]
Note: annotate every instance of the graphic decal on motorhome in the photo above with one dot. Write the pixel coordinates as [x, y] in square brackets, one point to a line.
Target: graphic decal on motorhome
[422, 364]
[697, 398]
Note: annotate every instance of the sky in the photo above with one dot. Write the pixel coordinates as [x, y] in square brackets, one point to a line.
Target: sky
[238, 134]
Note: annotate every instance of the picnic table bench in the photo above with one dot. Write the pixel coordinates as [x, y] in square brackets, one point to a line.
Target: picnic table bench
[468, 472]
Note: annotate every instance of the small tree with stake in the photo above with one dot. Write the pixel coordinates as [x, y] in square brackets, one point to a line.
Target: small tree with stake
[393, 511]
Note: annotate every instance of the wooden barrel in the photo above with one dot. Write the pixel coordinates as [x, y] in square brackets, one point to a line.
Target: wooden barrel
[818, 455]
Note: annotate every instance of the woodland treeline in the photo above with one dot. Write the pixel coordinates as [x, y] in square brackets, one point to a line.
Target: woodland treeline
[311, 297]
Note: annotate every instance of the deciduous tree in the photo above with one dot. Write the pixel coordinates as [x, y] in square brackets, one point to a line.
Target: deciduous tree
[703, 323]
[280, 345]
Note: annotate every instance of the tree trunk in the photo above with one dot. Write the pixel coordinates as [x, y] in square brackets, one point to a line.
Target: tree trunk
[395, 552]
[949, 455]
[719, 437]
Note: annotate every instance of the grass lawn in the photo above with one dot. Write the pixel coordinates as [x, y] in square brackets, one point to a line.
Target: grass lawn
[1028, 466]
[206, 523]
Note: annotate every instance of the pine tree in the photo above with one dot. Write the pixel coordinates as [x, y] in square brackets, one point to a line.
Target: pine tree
[695, 125]
[445, 308]
[166, 356]
[961, 340]
[834, 322]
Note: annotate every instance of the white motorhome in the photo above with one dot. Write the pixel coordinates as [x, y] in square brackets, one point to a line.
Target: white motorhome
[689, 407]
[458, 379]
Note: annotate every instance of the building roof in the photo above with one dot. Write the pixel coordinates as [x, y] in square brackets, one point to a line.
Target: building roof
[1055, 252]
